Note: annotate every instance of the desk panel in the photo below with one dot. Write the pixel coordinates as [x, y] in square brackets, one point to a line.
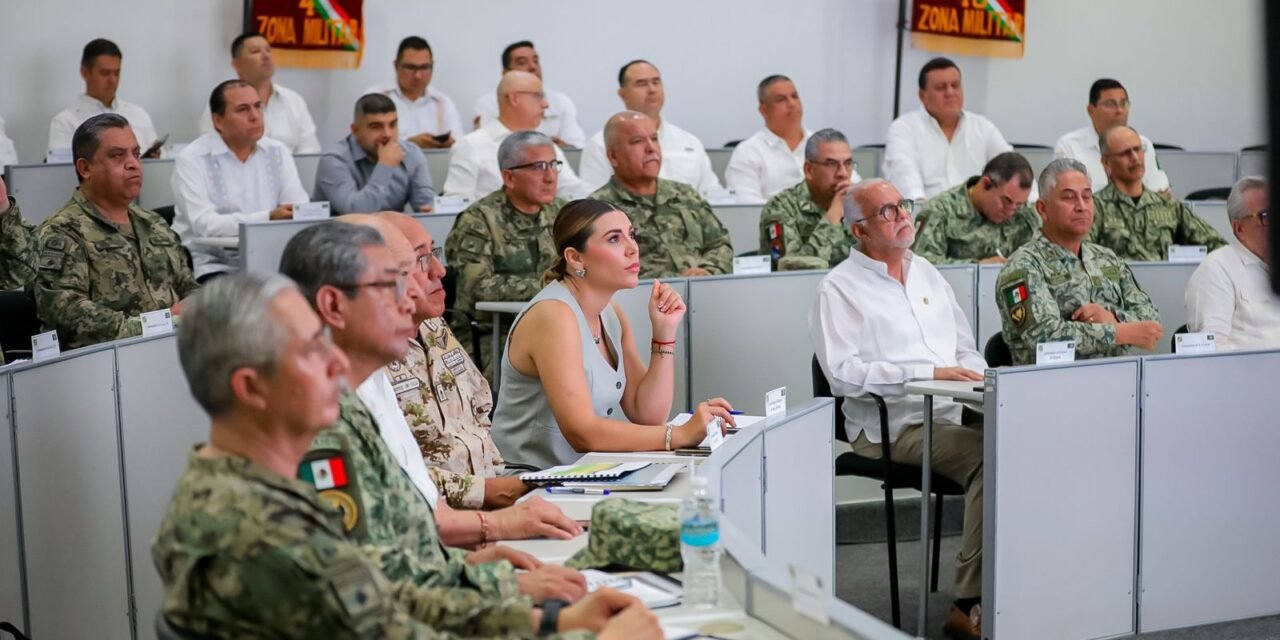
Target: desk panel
[262, 243]
[1037, 158]
[11, 595]
[157, 190]
[737, 478]
[738, 327]
[1214, 212]
[574, 158]
[40, 189]
[635, 303]
[799, 491]
[1060, 509]
[963, 279]
[868, 159]
[1190, 171]
[1252, 163]
[1208, 465]
[437, 166]
[73, 514]
[719, 160]
[988, 311]
[160, 423]
[742, 221]
[1165, 282]
[308, 165]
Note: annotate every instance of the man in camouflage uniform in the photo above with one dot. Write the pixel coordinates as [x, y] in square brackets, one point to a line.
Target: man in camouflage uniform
[677, 233]
[102, 260]
[983, 220]
[445, 398]
[247, 550]
[802, 227]
[15, 244]
[384, 507]
[1059, 287]
[501, 244]
[1133, 221]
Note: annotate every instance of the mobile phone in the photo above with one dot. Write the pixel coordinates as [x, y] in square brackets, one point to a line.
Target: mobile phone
[442, 137]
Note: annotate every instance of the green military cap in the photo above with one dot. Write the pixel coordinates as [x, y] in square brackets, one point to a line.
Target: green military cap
[633, 535]
[801, 263]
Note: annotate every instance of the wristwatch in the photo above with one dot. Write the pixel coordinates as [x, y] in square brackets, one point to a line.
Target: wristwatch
[550, 624]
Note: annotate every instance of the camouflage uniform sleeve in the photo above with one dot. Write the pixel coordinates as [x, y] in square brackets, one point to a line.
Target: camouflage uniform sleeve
[1036, 319]
[1137, 304]
[1192, 229]
[184, 281]
[469, 248]
[61, 287]
[466, 612]
[931, 241]
[716, 253]
[781, 211]
[460, 491]
[17, 237]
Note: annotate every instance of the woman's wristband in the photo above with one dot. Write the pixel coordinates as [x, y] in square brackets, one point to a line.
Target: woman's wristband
[667, 439]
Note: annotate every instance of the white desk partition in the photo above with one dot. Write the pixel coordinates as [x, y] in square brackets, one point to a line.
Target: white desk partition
[437, 166]
[1209, 520]
[308, 165]
[1190, 171]
[868, 161]
[11, 596]
[742, 221]
[988, 311]
[159, 423]
[262, 243]
[1165, 282]
[963, 279]
[635, 303]
[69, 479]
[40, 189]
[574, 157]
[1215, 213]
[1252, 163]
[719, 160]
[735, 475]
[1060, 509]
[1037, 158]
[739, 325]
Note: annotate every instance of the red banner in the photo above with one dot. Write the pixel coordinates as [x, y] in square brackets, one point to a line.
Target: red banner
[970, 27]
[316, 34]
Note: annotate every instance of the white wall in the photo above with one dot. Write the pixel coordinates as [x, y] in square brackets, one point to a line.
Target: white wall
[1194, 73]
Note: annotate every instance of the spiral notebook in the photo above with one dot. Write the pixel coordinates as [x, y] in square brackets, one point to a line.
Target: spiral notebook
[588, 471]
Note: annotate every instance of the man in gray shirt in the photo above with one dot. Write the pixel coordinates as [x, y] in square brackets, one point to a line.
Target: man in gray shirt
[369, 170]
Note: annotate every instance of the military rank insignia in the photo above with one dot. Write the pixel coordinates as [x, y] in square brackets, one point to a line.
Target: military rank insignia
[326, 470]
[1015, 297]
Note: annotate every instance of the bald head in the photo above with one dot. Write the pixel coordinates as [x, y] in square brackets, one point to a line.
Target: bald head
[618, 124]
[631, 142]
[1123, 157]
[521, 102]
[417, 236]
[427, 271]
[391, 234]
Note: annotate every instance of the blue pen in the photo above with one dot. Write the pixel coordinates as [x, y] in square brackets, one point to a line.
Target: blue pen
[735, 413]
[579, 490]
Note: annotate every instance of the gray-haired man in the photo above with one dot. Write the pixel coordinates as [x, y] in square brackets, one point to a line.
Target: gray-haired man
[501, 244]
[370, 170]
[803, 226]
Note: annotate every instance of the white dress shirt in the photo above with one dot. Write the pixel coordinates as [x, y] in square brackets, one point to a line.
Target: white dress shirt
[433, 113]
[921, 162]
[559, 121]
[762, 165]
[873, 335]
[214, 192]
[1082, 145]
[8, 155]
[64, 124]
[473, 166]
[380, 399]
[288, 121]
[1230, 296]
[684, 159]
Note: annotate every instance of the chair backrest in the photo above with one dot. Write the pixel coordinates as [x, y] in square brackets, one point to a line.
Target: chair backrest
[166, 212]
[733, 143]
[166, 631]
[1215, 193]
[1166, 147]
[1173, 339]
[997, 352]
[1020, 145]
[822, 389]
[20, 323]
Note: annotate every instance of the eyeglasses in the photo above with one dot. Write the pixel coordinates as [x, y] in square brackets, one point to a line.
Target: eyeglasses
[1262, 217]
[424, 262]
[399, 285]
[894, 211]
[1114, 104]
[417, 68]
[537, 95]
[831, 164]
[541, 166]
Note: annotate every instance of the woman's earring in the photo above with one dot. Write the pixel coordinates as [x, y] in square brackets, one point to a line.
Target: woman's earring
[581, 272]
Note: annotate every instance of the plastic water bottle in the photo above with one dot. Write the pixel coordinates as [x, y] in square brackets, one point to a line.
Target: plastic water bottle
[700, 546]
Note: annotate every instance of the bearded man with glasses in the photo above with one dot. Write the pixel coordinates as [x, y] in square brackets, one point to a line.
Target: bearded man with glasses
[501, 244]
[885, 317]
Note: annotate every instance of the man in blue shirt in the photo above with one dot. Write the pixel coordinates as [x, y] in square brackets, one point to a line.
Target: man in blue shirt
[369, 170]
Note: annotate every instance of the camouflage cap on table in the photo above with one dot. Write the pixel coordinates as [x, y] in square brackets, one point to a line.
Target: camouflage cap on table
[634, 535]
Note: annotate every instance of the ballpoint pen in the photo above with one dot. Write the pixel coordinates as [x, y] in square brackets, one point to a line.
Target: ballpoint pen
[579, 490]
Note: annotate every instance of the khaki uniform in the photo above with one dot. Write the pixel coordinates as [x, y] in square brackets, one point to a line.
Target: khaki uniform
[1144, 230]
[675, 229]
[95, 278]
[447, 401]
[1043, 284]
[952, 231]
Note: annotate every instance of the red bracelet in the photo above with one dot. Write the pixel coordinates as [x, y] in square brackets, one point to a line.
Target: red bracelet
[665, 344]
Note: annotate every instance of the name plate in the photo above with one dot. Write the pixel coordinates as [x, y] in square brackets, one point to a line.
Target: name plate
[1187, 253]
[59, 156]
[807, 595]
[1187, 343]
[44, 346]
[311, 210]
[714, 437]
[775, 401]
[155, 323]
[1055, 352]
[751, 265]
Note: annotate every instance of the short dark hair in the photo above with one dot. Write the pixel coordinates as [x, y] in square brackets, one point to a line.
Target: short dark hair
[328, 253]
[237, 45]
[415, 43]
[218, 99]
[1007, 166]
[1104, 84]
[622, 73]
[506, 53]
[88, 136]
[98, 47]
[936, 64]
[768, 82]
[372, 104]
